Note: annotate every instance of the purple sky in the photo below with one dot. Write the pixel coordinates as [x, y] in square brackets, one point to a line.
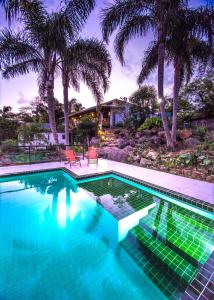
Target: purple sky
[21, 90]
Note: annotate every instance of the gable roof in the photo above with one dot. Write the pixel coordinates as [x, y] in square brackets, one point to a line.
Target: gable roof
[104, 104]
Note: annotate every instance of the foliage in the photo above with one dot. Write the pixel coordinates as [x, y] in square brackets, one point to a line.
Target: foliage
[145, 101]
[200, 94]
[8, 145]
[74, 106]
[202, 132]
[206, 146]
[32, 132]
[149, 123]
[194, 159]
[86, 129]
[8, 129]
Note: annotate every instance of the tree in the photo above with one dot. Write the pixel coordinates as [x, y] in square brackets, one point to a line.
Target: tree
[137, 18]
[200, 94]
[86, 129]
[187, 45]
[145, 100]
[31, 132]
[74, 106]
[87, 61]
[36, 49]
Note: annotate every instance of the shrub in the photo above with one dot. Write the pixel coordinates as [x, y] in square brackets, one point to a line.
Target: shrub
[86, 129]
[149, 123]
[8, 145]
[202, 132]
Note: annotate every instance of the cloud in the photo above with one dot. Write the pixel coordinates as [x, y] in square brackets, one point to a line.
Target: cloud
[22, 100]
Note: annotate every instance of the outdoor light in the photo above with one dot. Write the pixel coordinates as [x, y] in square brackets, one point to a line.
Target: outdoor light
[160, 100]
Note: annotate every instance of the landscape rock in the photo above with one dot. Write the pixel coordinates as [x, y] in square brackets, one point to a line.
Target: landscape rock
[153, 155]
[147, 132]
[191, 142]
[138, 134]
[155, 140]
[185, 134]
[145, 162]
[162, 136]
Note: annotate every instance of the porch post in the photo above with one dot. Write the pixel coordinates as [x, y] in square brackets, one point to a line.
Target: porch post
[101, 121]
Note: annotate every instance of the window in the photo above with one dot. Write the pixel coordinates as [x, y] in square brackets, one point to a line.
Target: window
[63, 136]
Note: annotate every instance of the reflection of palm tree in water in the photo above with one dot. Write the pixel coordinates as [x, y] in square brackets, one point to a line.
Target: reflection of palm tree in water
[158, 218]
[51, 183]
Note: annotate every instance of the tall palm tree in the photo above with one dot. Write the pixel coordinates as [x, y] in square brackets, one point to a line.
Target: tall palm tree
[137, 18]
[36, 49]
[87, 61]
[187, 45]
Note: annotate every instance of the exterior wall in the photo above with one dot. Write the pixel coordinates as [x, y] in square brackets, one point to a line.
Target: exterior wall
[49, 138]
[119, 116]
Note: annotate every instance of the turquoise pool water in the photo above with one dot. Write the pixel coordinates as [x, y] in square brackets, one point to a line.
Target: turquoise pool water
[56, 242]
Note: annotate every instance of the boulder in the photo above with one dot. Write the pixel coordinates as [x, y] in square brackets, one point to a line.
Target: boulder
[135, 158]
[145, 162]
[153, 155]
[143, 139]
[147, 132]
[191, 142]
[132, 143]
[161, 135]
[185, 134]
[122, 143]
[138, 134]
[155, 140]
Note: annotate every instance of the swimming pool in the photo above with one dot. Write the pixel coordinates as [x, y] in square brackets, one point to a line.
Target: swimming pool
[66, 238]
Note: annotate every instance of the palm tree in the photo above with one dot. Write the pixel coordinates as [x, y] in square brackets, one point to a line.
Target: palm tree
[36, 49]
[136, 18]
[186, 46]
[87, 61]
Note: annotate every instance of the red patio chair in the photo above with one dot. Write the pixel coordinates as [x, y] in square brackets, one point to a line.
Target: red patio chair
[72, 158]
[92, 155]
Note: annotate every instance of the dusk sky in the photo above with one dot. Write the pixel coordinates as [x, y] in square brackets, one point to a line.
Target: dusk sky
[21, 90]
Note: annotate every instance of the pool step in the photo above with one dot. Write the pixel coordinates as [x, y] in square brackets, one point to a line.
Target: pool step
[172, 261]
[181, 237]
[171, 286]
[199, 222]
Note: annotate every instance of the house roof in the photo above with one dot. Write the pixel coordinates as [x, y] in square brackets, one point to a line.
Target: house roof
[92, 108]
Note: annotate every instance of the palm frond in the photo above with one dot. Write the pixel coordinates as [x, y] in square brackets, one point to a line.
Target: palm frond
[93, 51]
[136, 26]
[93, 86]
[11, 8]
[78, 11]
[15, 47]
[119, 12]
[150, 62]
[22, 68]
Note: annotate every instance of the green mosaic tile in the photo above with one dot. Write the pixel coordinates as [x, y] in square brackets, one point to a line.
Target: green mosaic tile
[171, 287]
[117, 197]
[178, 264]
[182, 235]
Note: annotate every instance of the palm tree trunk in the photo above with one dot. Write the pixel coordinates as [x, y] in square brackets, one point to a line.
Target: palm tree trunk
[176, 88]
[51, 107]
[65, 82]
[161, 55]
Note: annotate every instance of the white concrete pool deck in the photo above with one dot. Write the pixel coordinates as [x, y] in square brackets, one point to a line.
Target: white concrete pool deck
[190, 187]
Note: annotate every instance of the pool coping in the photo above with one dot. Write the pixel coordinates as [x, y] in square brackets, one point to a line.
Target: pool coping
[199, 287]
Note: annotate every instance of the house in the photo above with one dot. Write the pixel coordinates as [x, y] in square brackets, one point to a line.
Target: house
[34, 134]
[110, 113]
